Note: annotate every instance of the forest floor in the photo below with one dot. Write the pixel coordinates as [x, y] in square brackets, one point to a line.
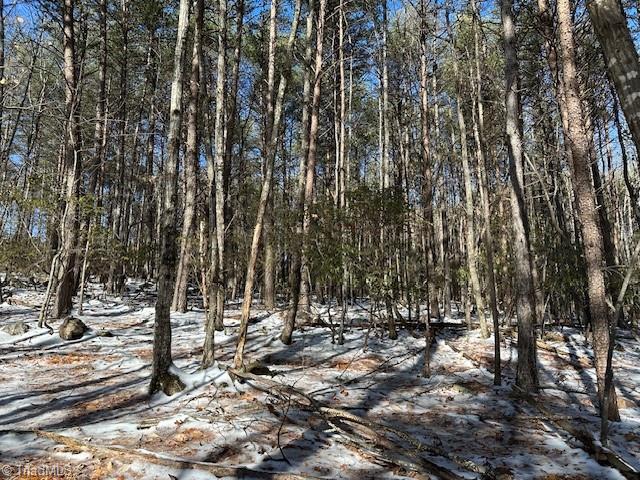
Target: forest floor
[80, 409]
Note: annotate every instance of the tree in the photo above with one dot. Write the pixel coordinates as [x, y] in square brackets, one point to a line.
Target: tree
[483, 184]
[179, 302]
[306, 194]
[586, 204]
[527, 370]
[610, 24]
[161, 378]
[216, 201]
[63, 264]
[274, 117]
[470, 235]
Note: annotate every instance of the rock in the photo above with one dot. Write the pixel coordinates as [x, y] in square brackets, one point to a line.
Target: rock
[170, 384]
[16, 328]
[257, 368]
[72, 329]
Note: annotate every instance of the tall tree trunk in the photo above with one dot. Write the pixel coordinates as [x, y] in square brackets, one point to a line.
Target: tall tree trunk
[99, 148]
[427, 183]
[161, 377]
[342, 181]
[119, 223]
[69, 228]
[101, 105]
[215, 314]
[470, 234]
[191, 161]
[306, 195]
[267, 230]
[148, 205]
[483, 184]
[297, 282]
[385, 235]
[586, 206]
[273, 127]
[527, 369]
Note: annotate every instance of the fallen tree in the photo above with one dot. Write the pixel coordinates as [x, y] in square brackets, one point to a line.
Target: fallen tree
[385, 442]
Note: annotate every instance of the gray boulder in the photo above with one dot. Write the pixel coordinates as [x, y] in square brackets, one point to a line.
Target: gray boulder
[16, 328]
[72, 329]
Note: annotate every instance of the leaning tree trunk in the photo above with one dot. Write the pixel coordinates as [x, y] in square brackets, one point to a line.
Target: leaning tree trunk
[161, 377]
[610, 25]
[274, 117]
[527, 370]
[586, 207]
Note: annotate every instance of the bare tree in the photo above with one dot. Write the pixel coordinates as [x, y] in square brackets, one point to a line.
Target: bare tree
[161, 377]
[274, 117]
[63, 264]
[586, 204]
[470, 234]
[216, 169]
[527, 370]
[179, 303]
[306, 194]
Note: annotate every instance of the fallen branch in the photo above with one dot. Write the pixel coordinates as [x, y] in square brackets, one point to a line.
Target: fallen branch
[601, 454]
[565, 390]
[572, 360]
[148, 457]
[588, 444]
[368, 435]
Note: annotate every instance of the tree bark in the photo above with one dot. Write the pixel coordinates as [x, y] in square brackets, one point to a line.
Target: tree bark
[69, 228]
[306, 194]
[586, 205]
[161, 377]
[118, 222]
[191, 161]
[274, 114]
[610, 24]
[527, 369]
[215, 314]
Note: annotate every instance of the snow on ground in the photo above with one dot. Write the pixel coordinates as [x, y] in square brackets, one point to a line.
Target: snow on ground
[95, 391]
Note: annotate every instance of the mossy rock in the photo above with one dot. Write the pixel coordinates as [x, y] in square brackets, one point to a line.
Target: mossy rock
[72, 329]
